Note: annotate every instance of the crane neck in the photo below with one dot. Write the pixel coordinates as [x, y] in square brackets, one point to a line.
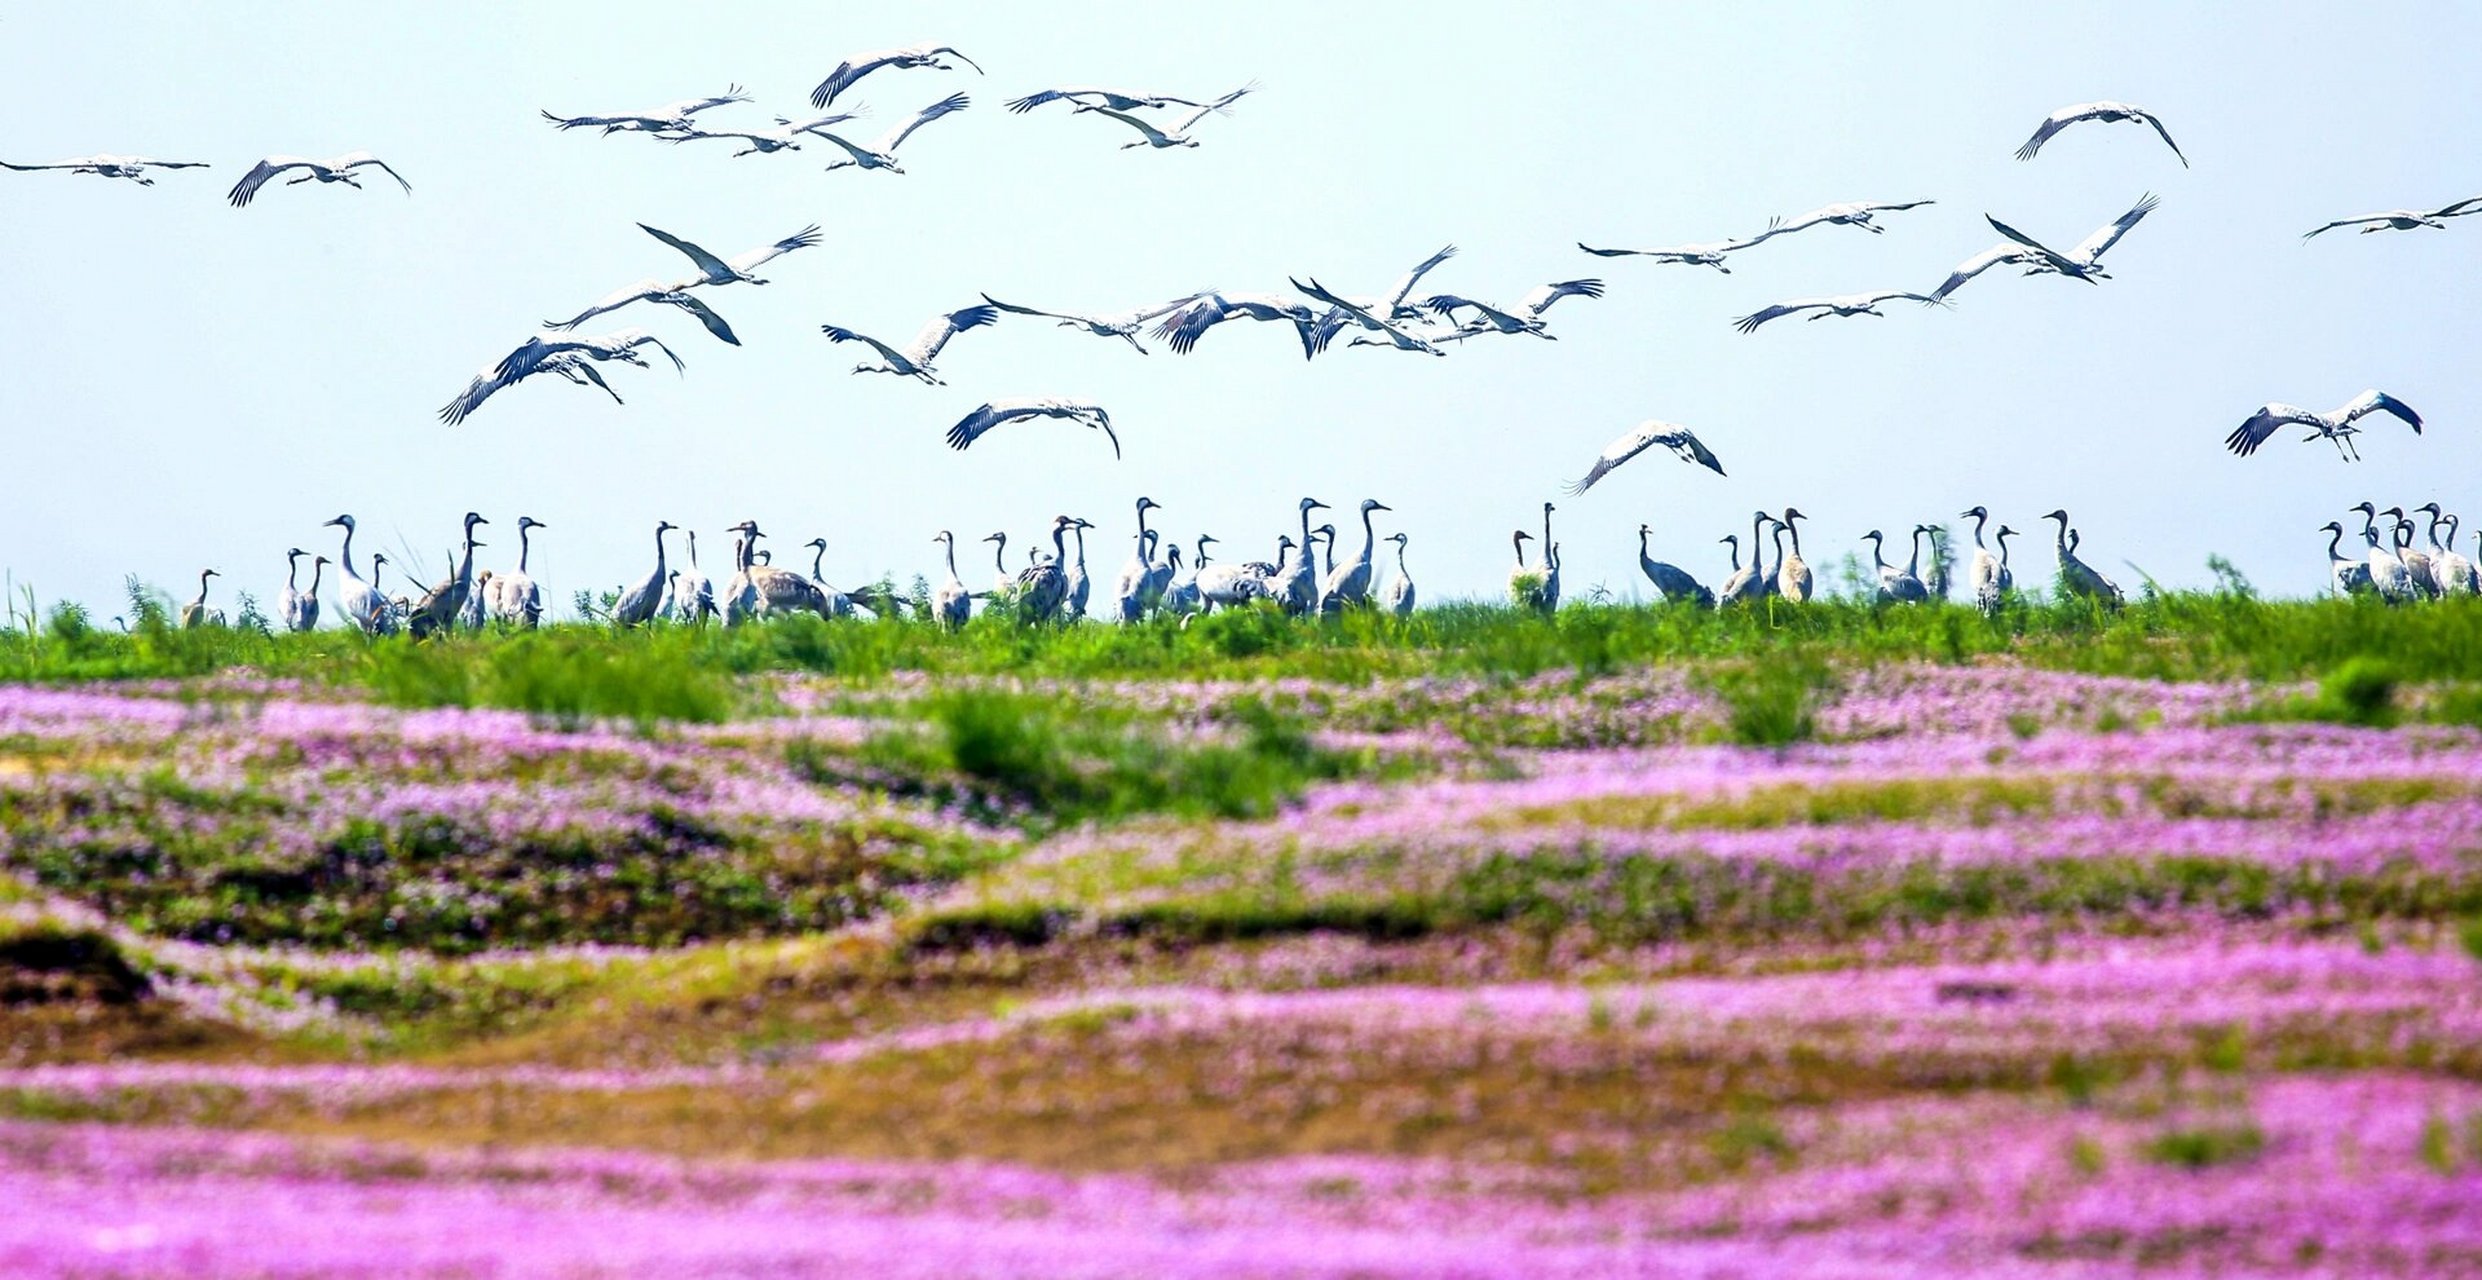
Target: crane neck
[1913, 560]
[347, 556]
[293, 568]
[525, 546]
[2335, 540]
[318, 570]
[952, 556]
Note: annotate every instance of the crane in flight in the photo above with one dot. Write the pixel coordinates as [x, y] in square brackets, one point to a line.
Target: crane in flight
[905, 59]
[1647, 435]
[339, 169]
[2105, 112]
[133, 168]
[2336, 425]
[672, 117]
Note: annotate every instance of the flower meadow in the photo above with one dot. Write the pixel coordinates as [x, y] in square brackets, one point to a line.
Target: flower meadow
[1877, 969]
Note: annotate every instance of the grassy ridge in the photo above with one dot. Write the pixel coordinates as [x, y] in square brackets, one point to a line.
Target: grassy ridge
[685, 674]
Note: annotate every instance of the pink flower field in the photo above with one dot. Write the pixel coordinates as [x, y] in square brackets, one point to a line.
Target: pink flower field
[1994, 972]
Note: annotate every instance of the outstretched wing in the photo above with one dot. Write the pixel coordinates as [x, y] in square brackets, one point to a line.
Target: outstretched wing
[2460, 208]
[2370, 402]
[1395, 296]
[1221, 106]
[970, 428]
[1153, 134]
[2030, 243]
[710, 266]
[2269, 419]
[612, 301]
[1648, 434]
[470, 399]
[1182, 328]
[2344, 222]
[2051, 126]
[250, 183]
[848, 71]
[934, 336]
[1749, 323]
[2093, 246]
[2165, 134]
[952, 103]
[891, 354]
[706, 315]
[359, 159]
[1034, 311]
[692, 106]
[756, 258]
[1976, 265]
[1540, 300]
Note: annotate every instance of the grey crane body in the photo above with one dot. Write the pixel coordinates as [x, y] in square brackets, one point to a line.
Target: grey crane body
[361, 601]
[2349, 577]
[1079, 587]
[2077, 578]
[1793, 579]
[693, 595]
[1891, 585]
[1397, 597]
[2416, 561]
[1042, 586]
[1295, 581]
[196, 614]
[1985, 573]
[1349, 583]
[637, 605]
[1129, 589]
[2450, 571]
[2388, 576]
[444, 605]
[1676, 584]
[516, 599]
[1747, 584]
[951, 603]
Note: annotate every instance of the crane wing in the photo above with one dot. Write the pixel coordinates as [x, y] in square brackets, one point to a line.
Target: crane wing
[2269, 419]
[2165, 134]
[692, 106]
[2093, 246]
[2460, 208]
[848, 71]
[952, 103]
[359, 159]
[470, 399]
[1540, 300]
[710, 266]
[612, 301]
[892, 355]
[1404, 285]
[2344, 222]
[1034, 311]
[706, 316]
[2051, 126]
[1749, 323]
[250, 183]
[1221, 106]
[934, 336]
[1977, 264]
[2031, 243]
[2369, 402]
[756, 258]
[1153, 134]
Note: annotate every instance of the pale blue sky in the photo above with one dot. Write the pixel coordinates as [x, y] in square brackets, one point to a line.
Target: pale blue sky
[194, 385]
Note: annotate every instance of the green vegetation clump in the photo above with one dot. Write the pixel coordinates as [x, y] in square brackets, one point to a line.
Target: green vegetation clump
[1049, 761]
[2207, 1146]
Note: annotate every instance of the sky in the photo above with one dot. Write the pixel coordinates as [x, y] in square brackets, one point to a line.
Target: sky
[197, 386]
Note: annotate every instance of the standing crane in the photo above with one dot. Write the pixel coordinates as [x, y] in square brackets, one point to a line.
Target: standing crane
[1672, 580]
[442, 605]
[638, 605]
[2076, 577]
[2388, 575]
[951, 603]
[2416, 561]
[364, 606]
[1129, 589]
[1349, 584]
[1893, 585]
[515, 597]
[693, 596]
[1792, 573]
[1525, 582]
[1397, 597]
[2350, 577]
[1747, 584]
[196, 614]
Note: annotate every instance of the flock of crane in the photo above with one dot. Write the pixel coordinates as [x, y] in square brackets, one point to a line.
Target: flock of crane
[2397, 571]
[1055, 586]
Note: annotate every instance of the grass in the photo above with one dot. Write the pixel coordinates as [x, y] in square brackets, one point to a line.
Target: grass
[580, 670]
